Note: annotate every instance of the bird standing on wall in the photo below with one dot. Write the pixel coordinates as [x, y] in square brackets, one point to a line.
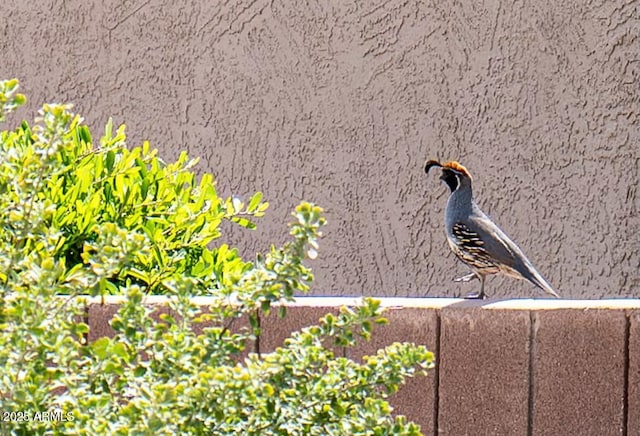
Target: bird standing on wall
[476, 240]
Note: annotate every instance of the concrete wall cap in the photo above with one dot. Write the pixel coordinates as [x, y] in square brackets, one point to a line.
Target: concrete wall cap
[426, 303]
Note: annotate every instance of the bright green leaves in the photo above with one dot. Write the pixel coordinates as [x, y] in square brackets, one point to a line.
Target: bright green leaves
[237, 212]
[310, 220]
[255, 205]
[76, 218]
[280, 273]
[109, 160]
[10, 99]
[103, 348]
[56, 175]
[113, 250]
[338, 326]
[307, 390]
[224, 264]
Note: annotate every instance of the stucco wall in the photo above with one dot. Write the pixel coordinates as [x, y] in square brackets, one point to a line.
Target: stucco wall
[341, 102]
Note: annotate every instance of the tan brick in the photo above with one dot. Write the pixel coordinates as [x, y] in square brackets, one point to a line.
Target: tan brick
[275, 329]
[633, 384]
[484, 371]
[99, 316]
[99, 320]
[578, 372]
[416, 399]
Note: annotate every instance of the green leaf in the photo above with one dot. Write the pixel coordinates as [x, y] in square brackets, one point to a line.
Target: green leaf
[19, 99]
[243, 222]
[85, 134]
[282, 311]
[81, 328]
[109, 160]
[265, 306]
[100, 347]
[254, 202]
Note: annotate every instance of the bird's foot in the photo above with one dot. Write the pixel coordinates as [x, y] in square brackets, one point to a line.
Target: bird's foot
[466, 278]
[475, 296]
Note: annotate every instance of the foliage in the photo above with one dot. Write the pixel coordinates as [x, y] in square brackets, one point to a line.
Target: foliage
[10, 99]
[78, 220]
[97, 196]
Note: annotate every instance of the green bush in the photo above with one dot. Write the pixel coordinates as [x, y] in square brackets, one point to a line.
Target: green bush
[78, 220]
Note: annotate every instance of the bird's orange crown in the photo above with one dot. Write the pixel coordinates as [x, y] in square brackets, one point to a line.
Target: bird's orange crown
[454, 165]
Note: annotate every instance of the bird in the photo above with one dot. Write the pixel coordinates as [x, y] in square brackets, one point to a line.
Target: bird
[476, 240]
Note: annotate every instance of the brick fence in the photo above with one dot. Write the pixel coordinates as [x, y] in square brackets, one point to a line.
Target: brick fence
[513, 367]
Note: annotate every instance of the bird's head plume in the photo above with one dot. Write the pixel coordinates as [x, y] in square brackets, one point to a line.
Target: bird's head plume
[452, 172]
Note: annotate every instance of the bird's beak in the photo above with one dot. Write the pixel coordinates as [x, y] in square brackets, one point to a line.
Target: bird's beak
[430, 164]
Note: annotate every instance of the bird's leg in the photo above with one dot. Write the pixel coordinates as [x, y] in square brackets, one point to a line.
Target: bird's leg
[477, 295]
[466, 278]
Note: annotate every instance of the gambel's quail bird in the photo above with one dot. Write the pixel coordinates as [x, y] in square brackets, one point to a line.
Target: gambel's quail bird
[476, 240]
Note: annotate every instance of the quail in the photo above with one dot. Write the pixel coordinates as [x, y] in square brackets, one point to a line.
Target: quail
[476, 240]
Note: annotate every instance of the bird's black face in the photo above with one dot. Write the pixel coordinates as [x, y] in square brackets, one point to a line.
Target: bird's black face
[450, 178]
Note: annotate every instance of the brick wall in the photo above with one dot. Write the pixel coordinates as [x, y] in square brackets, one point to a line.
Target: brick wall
[513, 367]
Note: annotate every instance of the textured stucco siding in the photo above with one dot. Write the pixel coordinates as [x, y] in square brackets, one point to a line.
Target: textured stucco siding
[341, 102]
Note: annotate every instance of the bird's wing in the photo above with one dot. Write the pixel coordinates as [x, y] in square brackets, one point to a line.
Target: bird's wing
[470, 247]
[506, 252]
[496, 242]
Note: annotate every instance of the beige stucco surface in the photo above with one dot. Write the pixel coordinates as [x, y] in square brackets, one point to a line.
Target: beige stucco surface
[341, 102]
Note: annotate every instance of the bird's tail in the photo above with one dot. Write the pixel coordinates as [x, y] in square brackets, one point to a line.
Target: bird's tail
[536, 278]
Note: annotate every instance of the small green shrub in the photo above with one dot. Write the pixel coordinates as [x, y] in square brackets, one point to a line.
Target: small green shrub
[90, 193]
[79, 220]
